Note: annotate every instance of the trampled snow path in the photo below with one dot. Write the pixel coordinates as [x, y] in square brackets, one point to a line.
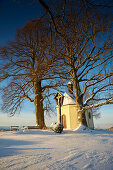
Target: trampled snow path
[35, 150]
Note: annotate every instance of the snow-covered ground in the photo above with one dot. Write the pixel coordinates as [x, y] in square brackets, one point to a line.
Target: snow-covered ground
[36, 149]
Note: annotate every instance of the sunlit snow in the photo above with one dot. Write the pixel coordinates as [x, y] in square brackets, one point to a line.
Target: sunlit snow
[39, 149]
[68, 99]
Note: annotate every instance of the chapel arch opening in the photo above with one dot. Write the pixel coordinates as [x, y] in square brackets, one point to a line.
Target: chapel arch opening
[63, 120]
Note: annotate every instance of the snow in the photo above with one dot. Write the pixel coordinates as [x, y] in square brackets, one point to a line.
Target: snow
[44, 149]
[69, 82]
[68, 99]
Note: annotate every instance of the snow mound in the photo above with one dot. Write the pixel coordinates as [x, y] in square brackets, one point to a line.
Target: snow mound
[82, 129]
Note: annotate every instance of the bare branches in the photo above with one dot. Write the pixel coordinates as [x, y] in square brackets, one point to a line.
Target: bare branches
[45, 6]
[106, 4]
[27, 64]
[109, 101]
[85, 45]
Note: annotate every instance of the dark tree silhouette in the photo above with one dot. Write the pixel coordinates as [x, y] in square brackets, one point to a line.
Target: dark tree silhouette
[28, 69]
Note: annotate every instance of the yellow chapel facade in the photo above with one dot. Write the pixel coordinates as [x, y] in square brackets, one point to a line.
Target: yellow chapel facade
[68, 113]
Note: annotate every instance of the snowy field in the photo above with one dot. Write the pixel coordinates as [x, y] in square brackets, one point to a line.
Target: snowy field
[36, 149]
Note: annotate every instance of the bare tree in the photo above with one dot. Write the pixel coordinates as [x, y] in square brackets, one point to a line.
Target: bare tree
[85, 43]
[28, 69]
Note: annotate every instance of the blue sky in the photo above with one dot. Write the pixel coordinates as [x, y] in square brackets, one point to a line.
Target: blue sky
[14, 14]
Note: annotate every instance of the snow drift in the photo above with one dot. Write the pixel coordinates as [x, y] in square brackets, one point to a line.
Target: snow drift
[44, 149]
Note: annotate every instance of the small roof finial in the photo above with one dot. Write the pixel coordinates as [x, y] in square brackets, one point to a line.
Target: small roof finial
[70, 87]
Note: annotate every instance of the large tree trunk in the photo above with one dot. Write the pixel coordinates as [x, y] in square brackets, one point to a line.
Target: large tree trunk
[79, 101]
[39, 105]
[82, 118]
[81, 115]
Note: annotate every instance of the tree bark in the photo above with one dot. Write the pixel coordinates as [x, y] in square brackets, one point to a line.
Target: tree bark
[39, 105]
[79, 100]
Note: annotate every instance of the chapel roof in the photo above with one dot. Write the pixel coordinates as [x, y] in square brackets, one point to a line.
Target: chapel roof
[68, 99]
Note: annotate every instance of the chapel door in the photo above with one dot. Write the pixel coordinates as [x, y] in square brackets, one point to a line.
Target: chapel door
[63, 120]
